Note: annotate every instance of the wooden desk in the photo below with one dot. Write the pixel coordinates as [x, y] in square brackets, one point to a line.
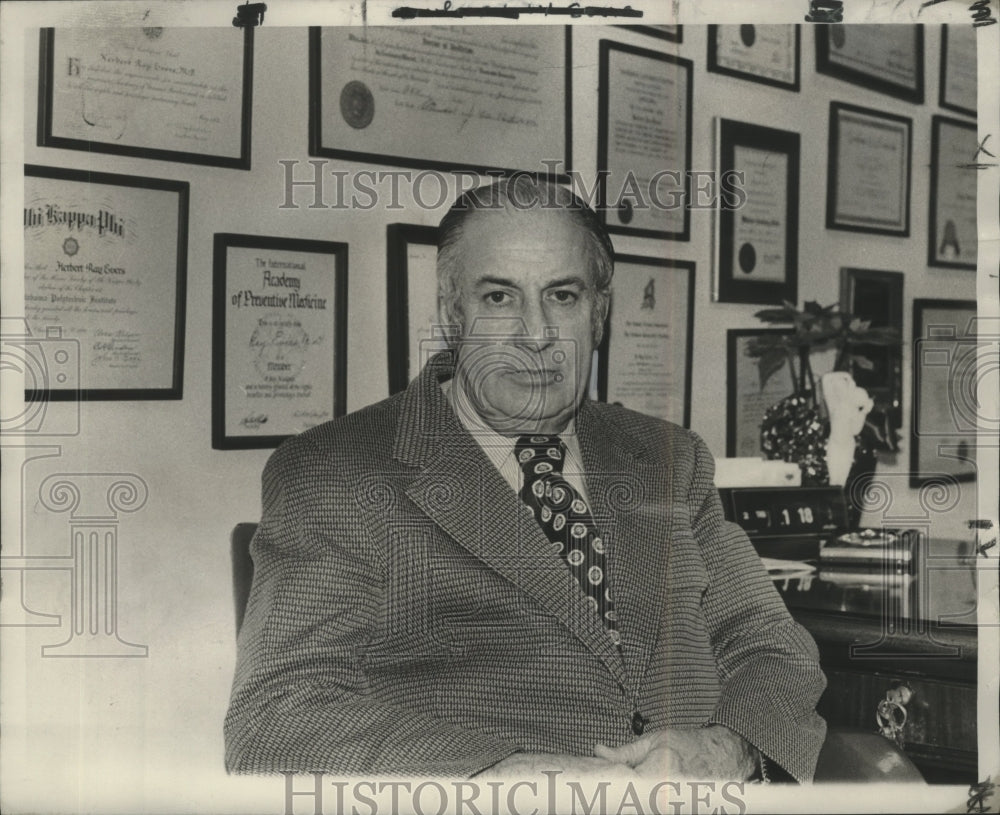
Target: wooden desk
[878, 630]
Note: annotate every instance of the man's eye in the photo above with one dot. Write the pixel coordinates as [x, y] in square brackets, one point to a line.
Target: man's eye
[497, 297]
[565, 296]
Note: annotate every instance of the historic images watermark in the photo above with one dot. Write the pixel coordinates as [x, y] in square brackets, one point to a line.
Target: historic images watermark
[324, 184]
[94, 502]
[316, 794]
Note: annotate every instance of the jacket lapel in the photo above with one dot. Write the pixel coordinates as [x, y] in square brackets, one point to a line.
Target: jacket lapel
[461, 491]
[630, 499]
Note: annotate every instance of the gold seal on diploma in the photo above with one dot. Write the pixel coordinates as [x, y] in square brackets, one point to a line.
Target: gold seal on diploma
[357, 105]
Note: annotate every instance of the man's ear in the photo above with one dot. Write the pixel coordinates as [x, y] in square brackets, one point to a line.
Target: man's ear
[600, 316]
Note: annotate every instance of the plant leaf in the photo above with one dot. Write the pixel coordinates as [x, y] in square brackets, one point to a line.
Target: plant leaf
[770, 362]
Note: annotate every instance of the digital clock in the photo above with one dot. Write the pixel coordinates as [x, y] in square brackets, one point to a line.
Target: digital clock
[786, 514]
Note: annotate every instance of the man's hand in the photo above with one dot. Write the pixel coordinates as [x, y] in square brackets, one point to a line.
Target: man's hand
[526, 764]
[708, 752]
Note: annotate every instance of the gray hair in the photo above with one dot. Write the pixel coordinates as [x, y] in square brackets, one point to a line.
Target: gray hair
[521, 192]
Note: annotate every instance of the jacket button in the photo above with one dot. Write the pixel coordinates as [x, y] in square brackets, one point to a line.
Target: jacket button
[638, 723]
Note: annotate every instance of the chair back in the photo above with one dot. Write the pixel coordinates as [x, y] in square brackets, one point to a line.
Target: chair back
[239, 547]
[857, 755]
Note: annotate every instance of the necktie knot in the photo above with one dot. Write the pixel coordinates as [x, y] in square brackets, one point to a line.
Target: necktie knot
[539, 455]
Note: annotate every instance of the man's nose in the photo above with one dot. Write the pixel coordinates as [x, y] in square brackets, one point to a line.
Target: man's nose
[535, 325]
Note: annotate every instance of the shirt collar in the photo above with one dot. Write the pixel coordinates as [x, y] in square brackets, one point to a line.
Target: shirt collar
[496, 446]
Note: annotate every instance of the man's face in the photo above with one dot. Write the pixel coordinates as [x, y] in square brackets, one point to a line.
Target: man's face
[526, 291]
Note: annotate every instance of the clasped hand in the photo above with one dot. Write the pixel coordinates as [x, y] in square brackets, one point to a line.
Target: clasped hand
[706, 753]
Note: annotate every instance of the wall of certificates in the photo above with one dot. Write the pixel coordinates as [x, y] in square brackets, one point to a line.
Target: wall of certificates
[243, 223]
[230, 237]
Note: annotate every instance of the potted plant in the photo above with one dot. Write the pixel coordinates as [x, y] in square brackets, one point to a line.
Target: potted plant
[798, 427]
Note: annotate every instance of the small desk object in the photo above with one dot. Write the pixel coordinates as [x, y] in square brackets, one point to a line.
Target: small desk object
[893, 613]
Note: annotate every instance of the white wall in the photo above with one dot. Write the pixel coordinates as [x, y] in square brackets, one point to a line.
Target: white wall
[174, 571]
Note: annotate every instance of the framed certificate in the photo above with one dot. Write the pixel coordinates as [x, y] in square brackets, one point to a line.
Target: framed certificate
[769, 54]
[747, 397]
[279, 338]
[953, 233]
[758, 236]
[946, 405]
[644, 142]
[885, 58]
[644, 362]
[174, 94]
[475, 98]
[877, 297]
[674, 33]
[868, 171]
[105, 273]
[958, 87]
[411, 283]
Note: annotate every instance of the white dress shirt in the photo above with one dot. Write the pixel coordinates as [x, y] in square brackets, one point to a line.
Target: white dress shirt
[500, 449]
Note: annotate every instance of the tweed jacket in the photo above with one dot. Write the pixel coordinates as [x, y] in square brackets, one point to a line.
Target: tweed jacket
[408, 615]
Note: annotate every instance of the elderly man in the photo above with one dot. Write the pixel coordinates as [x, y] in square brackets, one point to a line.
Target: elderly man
[491, 573]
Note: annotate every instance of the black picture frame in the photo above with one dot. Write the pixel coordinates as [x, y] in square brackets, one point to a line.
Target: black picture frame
[671, 33]
[686, 270]
[870, 77]
[729, 287]
[223, 437]
[714, 65]
[47, 138]
[51, 391]
[944, 421]
[876, 296]
[318, 145]
[402, 364]
[604, 168]
[943, 99]
[740, 366]
[949, 239]
[838, 158]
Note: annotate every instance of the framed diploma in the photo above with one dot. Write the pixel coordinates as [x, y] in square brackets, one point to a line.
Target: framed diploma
[477, 98]
[279, 338]
[868, 171]
[644, 142]
[958, 87]
[644, 362]
[769, 54]
[411, 281]
[945, 398]
[746, 397]
[885, 58]
[174, 94]
[953, 234]
[105, 272]
[758, 240]
[877, 297]
[673, 33]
